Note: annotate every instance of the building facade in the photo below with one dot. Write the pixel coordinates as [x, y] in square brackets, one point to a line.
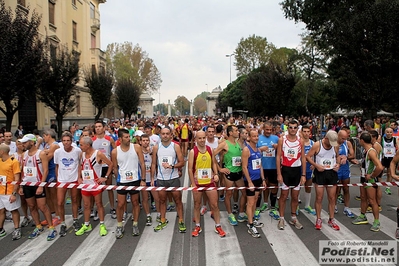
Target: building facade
[76, 24]
[211, 100]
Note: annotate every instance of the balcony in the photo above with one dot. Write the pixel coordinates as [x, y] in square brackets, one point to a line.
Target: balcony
[98, 56]
[95, 25]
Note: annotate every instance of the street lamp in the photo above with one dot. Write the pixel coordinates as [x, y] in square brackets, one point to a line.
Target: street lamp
[230, 55]
[206, 87]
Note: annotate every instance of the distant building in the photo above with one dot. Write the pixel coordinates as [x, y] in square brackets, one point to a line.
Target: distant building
[146, 105]
[211, 100]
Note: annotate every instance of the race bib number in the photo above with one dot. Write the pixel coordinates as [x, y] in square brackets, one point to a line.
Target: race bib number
[389, 152]
[327, 164]
[129, 176]
[256, 163]
[363, 172]
[3, 179]
[292, 153]
[147, 167]
[167, 159]
[204, 176]
[30, 173]
[270, 153]
[236, 161]
[87, 175]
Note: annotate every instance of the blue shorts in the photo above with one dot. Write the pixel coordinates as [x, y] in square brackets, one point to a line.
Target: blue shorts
[343, 175]
[148, 184]
[50, 178]
[309, 175]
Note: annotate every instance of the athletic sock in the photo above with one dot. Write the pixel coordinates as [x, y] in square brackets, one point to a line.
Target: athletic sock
[307, 199]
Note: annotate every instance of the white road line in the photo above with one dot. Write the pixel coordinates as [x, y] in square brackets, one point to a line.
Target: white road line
[153, 248]
[387, 225]
[286, 245]
[94, 249]
[221, 251]
[31, 249]
[343, 234]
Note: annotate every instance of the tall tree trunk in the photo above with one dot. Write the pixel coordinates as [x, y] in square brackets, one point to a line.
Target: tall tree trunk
[100, 111]
[59, 123]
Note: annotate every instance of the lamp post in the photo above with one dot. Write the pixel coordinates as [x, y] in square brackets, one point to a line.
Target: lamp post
[206, 87]
[230, 55]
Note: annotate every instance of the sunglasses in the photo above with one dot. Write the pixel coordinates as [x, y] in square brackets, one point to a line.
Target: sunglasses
[293, 127]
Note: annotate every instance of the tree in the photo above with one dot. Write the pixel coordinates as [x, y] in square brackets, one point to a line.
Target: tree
[182, 104]
[251, 53]
[100, 87]
[132, 62]
[22, 59]
[127, 96]
[233, 95]
[360, 37]
[58, 90]
[199, 105]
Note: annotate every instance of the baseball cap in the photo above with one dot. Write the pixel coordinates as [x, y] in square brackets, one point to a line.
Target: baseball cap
[332, 137]
[28, 137]
[138, 133]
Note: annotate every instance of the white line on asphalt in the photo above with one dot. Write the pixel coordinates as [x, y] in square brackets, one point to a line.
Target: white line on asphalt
[153, 248]
[221, 251]
[31, 249]
[94, 249]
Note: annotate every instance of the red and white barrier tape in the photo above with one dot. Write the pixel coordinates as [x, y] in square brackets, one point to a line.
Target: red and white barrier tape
[115, 187]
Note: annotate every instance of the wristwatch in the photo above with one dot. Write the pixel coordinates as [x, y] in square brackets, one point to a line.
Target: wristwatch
[14, 193]
[173, 167]
[143, 180]
[106, 177]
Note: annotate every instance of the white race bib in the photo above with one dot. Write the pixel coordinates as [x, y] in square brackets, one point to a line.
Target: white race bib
[129, 176]
[147, 167]
[327, 164]
[292, 153]
[30, 174]
[3, 179]
[389, 152]
[204, 176]
[256, 163]
[167, 159]
[270, 153]
[236, 161]
[87, 175]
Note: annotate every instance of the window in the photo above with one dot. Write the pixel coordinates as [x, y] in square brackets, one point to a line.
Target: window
[53, 52]
[74, 31]
[92, 10]
[51, 9]
[78, 104]
[93, 69]
[21, 2]
[93, 41]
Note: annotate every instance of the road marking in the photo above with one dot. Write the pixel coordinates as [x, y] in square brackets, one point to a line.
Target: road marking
[94, 249]
[31, 249]
[221, 251]
[286, 245]
[153, 248]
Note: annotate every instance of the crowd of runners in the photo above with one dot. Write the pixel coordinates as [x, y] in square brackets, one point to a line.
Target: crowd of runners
[282, 154]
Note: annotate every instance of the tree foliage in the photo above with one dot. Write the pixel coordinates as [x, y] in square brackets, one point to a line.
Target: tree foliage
[199, 105]
[58, 90]
[22, 59]
[127, 96]
[251, 53]
[132, 62]
[100, 86]
[182, 104]
[360, 37]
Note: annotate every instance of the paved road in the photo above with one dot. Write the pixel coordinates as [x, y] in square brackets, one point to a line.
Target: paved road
[169, 247]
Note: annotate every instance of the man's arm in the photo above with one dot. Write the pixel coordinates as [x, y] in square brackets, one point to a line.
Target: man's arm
[180, 159]
[190, 167]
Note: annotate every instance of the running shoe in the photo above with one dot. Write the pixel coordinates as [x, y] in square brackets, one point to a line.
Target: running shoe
[221, 198]
[379, 209]
[358, 198]
[375, 227]
[80, 210]
[257, 214]
[333, 224]
[171, 206]
[135, 230]
[310, 210]
[318, 224]
[397, 233]
[158, 218]
[232, 219]
[281, 224]
[92, 214]
[119, 232]
[212, 216]
[103, 230]
[16, 234]
[128, 198]
[360, 220]
[26, 221]
[8, 216]
[203, 210]
[253, 231]
[258, 224]
[2, 232]
[296, 223]
[96, 218]
[335, 209]
[51, 234]
[63, 230]
[297, 211]
[76, 225]
[148, 221]
[68, 200]
[388, 191]
[340, 199]
[160, 226]
[182, 227]
[124, 217]
[56, 221]
[242, 218]
[349, 213]
[113, 213]
[274, 214]
[369, 209]
[36, 232]
[197, 230]
[219, 231]
[44, 223]
[153, 207]
[83, 229]
[235, 209]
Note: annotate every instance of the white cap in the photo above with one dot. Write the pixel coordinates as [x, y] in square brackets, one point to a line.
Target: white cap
[28, 137]
[332, 137]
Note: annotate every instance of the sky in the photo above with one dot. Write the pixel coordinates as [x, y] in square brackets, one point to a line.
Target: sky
[188, 40]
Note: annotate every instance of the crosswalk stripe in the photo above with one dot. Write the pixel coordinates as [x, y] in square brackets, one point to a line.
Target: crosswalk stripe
[94, 248]
[387, 225]
[343, 234]
[31, 249]
[153, 248]
[282, 244]
[221, 251]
